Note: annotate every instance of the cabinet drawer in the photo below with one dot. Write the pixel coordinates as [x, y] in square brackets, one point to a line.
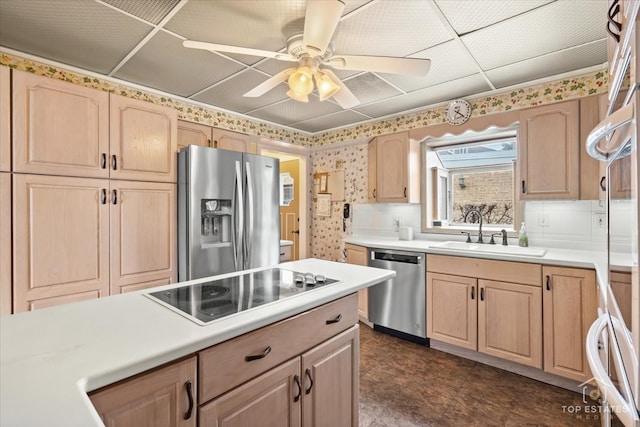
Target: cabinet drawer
[501, 271]
[285, 253]
[224, 366]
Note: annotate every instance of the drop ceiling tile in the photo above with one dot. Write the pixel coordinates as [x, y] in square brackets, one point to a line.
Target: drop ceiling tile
[164, 64]
[150, 10]
[228, 94]
[549, 65]
[292, 111]
[80, 33]
[449, 61]
[422, 98]
[330, 121]
[466, 16]
[390, 28]
[369, 88]
[257, 24]
[550, 28]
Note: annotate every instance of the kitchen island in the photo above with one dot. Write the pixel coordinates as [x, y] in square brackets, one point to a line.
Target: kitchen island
[50, 359]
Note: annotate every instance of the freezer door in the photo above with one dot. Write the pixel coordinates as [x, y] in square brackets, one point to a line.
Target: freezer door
[210, 216]
[262, 211]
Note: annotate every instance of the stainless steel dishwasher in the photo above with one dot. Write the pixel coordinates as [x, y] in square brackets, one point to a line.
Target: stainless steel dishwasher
[398, 306]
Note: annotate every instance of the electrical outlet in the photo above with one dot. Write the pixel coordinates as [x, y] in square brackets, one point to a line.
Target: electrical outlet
[543, 220]
[396, 222]
[600, 220]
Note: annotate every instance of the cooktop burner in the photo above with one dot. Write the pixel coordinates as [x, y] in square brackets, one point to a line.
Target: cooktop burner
[208, 301]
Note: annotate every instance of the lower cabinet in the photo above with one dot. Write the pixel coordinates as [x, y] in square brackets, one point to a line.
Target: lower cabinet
[5, 242]
[164, 397]
[570, 307]
[358, 255]
[494, 307]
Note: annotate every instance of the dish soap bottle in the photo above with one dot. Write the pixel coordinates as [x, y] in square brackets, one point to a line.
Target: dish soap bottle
[523, 240]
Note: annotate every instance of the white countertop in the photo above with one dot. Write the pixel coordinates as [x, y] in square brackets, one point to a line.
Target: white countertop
[51, 358]
[286, 242]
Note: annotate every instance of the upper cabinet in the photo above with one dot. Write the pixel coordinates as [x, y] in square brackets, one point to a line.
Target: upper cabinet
[190, 133]
[228, 140]
[549, 151]
[394, 160]
[143, 140]
[59, 128]
[5, 119]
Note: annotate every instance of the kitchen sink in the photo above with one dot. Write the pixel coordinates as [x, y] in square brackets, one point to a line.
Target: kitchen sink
[492, 249]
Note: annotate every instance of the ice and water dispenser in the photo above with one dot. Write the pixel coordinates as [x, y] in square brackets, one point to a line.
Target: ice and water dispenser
[215, 221]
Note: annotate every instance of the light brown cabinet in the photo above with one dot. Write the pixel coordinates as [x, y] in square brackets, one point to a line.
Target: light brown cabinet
[549, 152]
[164, 397]
[591, 170]
[228, 140]
[5, 243]
[79, 237]
[396, 167]
[190, 133]
[358, 255]
[494, 307]
[621, 287]
[570, 307]
[5, 119]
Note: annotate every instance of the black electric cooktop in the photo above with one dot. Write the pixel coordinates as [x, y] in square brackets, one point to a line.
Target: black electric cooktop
[208, 301]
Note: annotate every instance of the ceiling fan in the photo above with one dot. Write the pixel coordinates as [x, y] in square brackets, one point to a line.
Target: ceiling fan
[313, 49]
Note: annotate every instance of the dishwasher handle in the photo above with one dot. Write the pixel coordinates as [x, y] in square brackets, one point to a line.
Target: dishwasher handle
[401, 257]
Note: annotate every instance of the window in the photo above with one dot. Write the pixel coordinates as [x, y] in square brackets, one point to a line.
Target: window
[470, 174]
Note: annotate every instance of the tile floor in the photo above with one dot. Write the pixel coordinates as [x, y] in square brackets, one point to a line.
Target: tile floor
[403, 384]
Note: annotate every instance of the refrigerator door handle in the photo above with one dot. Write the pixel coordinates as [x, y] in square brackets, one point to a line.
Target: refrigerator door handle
[250, 213]
[238, 234]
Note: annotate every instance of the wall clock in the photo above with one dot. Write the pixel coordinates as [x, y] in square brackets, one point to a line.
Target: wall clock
[458, 112]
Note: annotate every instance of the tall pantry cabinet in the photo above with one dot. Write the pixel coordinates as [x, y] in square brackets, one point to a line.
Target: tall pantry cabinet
[93, 193]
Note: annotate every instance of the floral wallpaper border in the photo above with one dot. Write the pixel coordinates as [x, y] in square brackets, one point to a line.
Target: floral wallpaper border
[545, 93]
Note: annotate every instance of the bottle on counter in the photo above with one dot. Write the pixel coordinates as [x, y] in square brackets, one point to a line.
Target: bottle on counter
[523, 240]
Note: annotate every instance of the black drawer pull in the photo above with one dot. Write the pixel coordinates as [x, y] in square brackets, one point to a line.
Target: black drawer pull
[103, 160]
[258, 356]
[114, 197]
[307, 372]
[114, 162]
[548, 283]
[187, 386]
[374, 193]
[524, 187]
[296, 379]
[481, 294]
[104, 196]
[335, 319]
[281, 253]
[405, 191]
[473, 293]
[603, 183]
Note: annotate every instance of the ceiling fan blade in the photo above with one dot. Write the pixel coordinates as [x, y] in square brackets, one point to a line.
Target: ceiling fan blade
[344, 97]
[381, 64]
[269, 84]
[213, 47]
[320, 22]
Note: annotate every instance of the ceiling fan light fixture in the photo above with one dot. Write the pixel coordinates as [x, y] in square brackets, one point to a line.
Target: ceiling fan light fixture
[301, 82]
[326, 86]
[297, 96]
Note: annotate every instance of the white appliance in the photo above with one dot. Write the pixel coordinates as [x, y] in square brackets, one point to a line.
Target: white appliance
[613, 341]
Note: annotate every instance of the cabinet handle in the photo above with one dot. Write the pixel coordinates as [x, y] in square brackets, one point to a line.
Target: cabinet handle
[548, 282]
[281, 253]
[209, 143]
[187, 386]
[524, 187]
[215, 143]
[405, 191]
[334, 320]
[307, 373]
[103, 160]
[473, 292]
[258, 356]
[114, 162]
[481, 294]
[114, 197]
[296, 379]
[104, 196]
[374, 193]
[603, 183]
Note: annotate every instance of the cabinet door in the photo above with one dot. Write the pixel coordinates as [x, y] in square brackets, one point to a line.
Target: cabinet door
[5, 243]
[548, 152]
[590, 168]
[510, 322]
[190, 133]
[5, 119]
[330, 382]
[162, 398]
[621, 287]
[143, 140]
[372, 172]
[452, 310]
[270, 400]
[233, 141]
[392, 168]
[570, 307]
[61, 240]
[358, 255]
[143, 233]
[59, 128]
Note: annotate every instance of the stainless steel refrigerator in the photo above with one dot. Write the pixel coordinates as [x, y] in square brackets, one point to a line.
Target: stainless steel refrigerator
[228, 212]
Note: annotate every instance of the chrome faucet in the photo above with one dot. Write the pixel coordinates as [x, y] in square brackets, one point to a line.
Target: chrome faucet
[479, 214]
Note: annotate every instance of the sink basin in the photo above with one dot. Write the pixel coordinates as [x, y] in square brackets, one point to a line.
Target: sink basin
[492, 249]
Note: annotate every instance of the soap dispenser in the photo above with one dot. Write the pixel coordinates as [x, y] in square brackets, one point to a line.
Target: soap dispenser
[523, 240]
